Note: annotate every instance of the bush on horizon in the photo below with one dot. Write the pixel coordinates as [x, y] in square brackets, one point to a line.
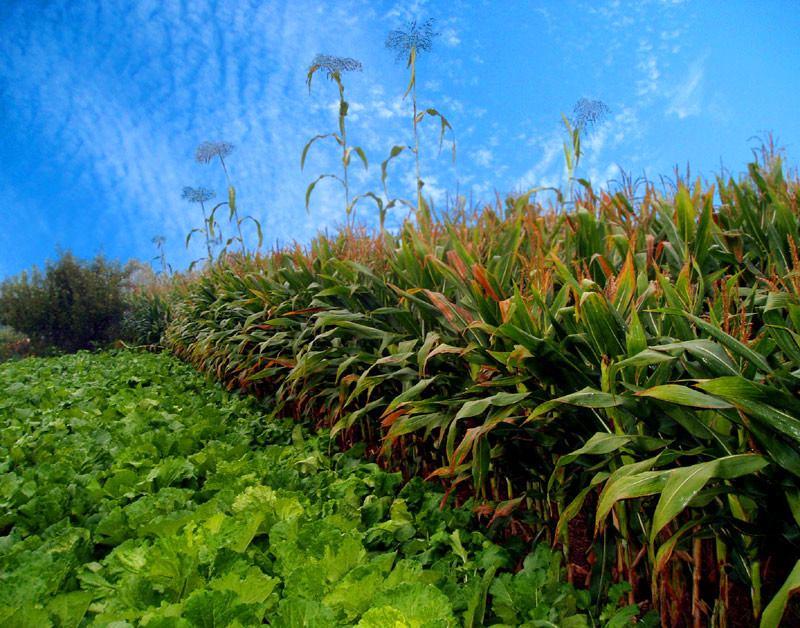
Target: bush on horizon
[74, 304]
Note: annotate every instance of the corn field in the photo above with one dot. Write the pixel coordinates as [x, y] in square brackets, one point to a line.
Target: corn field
[619, 379]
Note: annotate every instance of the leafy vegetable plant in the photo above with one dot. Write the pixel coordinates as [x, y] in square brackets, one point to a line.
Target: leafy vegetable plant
[135, 493]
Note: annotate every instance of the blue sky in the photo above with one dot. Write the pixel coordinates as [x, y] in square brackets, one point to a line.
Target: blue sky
[103, 103]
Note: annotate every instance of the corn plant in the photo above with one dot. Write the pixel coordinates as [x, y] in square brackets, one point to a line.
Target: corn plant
[201, 195]
[159, 242]
[586, 114]
[621, 378]
[205, 153]
[334, 67]
[407, 42]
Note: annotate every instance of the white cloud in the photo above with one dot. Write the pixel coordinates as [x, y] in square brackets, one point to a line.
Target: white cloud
[549, 171]
[648, 84]
[450, 38]
[482, 157]
[687, 96]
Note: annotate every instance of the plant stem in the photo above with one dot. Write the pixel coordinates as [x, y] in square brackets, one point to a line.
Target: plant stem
[416, 142]
[235, 213]
[208, 228]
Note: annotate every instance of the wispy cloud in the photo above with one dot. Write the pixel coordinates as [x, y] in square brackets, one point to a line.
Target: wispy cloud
[103, 103]
[687, 96]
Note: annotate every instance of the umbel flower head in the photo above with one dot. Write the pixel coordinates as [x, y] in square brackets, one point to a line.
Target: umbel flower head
[197, 195]
[587, 113]
[402, 40]
[333, 64]
[208, 150]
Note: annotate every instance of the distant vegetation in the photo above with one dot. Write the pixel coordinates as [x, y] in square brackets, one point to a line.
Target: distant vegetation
[72, 305]
[13, 345]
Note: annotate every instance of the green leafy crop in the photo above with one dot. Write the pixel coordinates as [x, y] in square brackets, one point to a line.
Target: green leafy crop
[135, 494]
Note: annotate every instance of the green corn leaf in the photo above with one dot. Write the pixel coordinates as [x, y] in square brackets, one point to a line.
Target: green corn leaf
[359, 152]
[478, 406]
[481, 457]
[601, 324]
[445, 125]
[786, 339]
[684, 213]
[314, 184]
[703, 236]
[793, 499]
[408, 395]
[409, 423]
[752, 399]
[635, 338]
[644, 358]
[396, 150]
[603, 443]
[779, 301]
[773, 613]
[258, 228]
[665, 549]
[627, 487]
[411, 64]
[314, 139]
[708, 352]
[189, 236]
[587, 398]
[684, 396]
[574, 507]
[684, 483]
[728, 341]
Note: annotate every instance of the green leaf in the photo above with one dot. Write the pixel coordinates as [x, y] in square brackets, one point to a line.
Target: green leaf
[411, 64]
[70, 608]
[254, 588]
[358, 150]
[684, 483]
[217, 609]
[478, 406]
[587, 398]
[314, 183]
[408, 395]
[476, 608]
[645, 358]
[708, 352]
[728, 341]
[313, 139]
[383, 617]
[684, 396]
[396, 150]
[684, 213]
[627, 487]
[603, 443]
[752, 398]
[773, 613]
[602, 325]
[419, 603]
[635, 338]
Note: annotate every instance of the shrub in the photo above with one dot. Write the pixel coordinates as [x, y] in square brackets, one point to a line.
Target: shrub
[73, 305]
[13, 345]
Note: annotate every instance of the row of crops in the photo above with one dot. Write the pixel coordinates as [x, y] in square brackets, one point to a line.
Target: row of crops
[135, 494]
[618, 380]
